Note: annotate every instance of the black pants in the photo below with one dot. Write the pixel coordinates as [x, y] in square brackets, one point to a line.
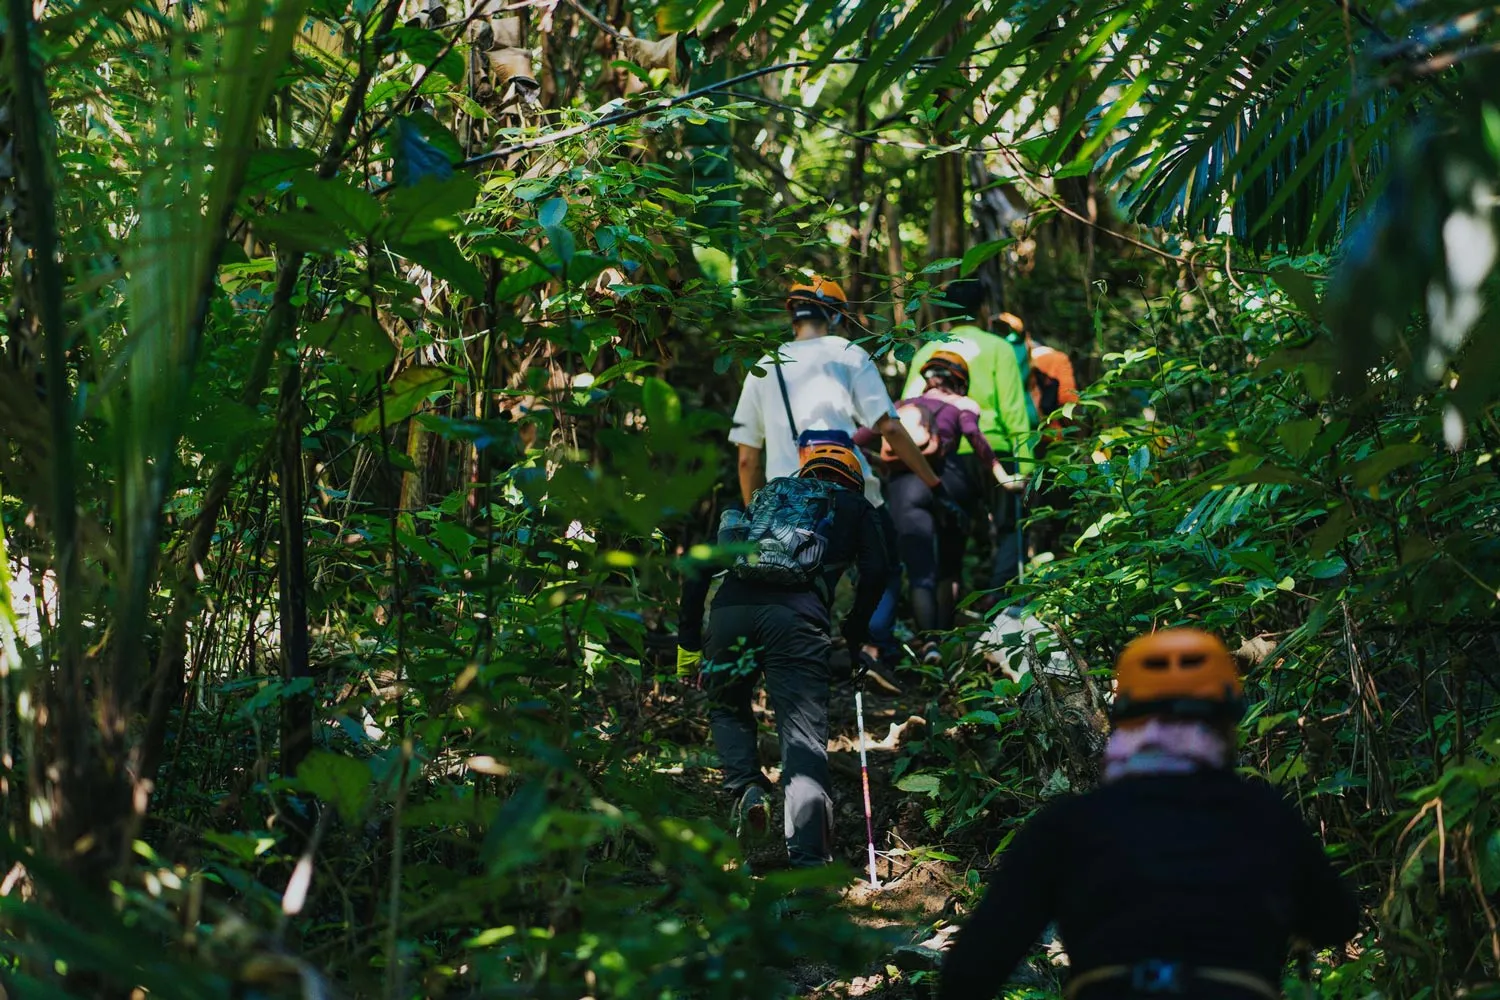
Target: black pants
[883, 621]
[930, 550]
[741, 644]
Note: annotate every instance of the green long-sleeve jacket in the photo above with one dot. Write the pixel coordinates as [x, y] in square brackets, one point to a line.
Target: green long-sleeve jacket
[995, 383]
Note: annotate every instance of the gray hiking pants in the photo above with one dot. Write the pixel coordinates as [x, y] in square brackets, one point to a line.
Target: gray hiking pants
[741, 644]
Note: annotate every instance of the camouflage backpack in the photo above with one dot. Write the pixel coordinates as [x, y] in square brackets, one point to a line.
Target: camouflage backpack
[788, 524]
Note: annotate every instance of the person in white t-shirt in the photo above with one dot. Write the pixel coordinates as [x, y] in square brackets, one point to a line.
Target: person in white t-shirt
[816, 382]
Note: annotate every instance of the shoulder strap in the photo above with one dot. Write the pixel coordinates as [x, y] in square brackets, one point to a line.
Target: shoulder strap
[786, 399]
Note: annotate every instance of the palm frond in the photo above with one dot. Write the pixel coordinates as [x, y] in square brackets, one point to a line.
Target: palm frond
[1273, 115]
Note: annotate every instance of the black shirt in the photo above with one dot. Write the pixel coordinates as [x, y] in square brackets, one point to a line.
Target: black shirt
[855, 538]
[1204, 868]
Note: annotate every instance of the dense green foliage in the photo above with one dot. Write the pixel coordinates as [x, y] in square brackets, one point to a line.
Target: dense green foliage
[366, 376]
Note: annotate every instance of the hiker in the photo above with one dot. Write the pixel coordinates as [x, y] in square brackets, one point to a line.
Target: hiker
[930, 541]
[819, 384]
[1013, 329]
[772, 617]
[1175, 876]
[996, 385]
[1051, 385]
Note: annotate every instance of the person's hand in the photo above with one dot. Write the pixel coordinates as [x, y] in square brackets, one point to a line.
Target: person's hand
[1011, 482]
[689, 665]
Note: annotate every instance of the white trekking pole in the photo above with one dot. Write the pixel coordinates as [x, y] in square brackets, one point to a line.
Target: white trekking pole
[1020, 544]
[864, 775]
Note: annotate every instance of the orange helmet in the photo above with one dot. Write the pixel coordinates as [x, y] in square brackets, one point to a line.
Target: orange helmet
[834, 462]
[1178, 673]
[1016, 324]
[819, 292]
[950, 362]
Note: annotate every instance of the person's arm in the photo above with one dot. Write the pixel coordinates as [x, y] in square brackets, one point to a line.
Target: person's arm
[905, 448]
[1067, 381]
[1010, 407]
[968, 426]
[752, 471]
[1016, 907]
[749, 432]
[871, 568]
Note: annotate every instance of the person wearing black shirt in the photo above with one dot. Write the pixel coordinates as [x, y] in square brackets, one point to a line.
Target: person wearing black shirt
[1175, 877]
[785, 633]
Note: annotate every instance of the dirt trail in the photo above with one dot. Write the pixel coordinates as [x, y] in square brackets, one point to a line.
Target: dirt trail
[913, 898]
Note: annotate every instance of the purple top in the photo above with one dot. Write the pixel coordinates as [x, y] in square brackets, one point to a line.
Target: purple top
[949, 422]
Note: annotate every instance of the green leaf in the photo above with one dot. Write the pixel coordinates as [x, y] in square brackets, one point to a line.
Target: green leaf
[351, 209]
[621, 368]
[941, 265]
[663, 407]
[246, 847]
[1297, 436]
[270, 169]
[586, 267]
[1332, 531]
[299, 231]
[1299, 288]
[340, 781]
[403, 396]
[921, 784]
[501, 245]
[1372, 470]
[976, 255]
[521, 281]
[563, 243]
[356, 339]
[1489, 863]
[430, 48]
[428, 209]
[1079, 168]
[552, 212]
[1327, 569]
[446, 262]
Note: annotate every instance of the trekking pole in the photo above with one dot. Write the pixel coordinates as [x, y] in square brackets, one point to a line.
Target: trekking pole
[1020, 544]
[864, 777]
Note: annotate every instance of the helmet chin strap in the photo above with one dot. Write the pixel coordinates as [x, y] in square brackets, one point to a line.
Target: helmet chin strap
[806, 309]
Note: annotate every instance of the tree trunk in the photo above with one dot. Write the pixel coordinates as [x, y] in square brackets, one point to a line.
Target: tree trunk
[296, 709]
[895, 261]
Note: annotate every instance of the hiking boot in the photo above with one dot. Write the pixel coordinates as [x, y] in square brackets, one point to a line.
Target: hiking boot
[752, 816]
[932, 655]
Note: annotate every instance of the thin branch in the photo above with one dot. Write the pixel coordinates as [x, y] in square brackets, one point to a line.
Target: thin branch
[596, 21]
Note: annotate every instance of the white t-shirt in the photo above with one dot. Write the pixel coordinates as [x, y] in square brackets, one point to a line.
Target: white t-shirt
[832, 385]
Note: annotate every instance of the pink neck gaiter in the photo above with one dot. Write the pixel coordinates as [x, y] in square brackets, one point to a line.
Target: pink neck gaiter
[1164, 746]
